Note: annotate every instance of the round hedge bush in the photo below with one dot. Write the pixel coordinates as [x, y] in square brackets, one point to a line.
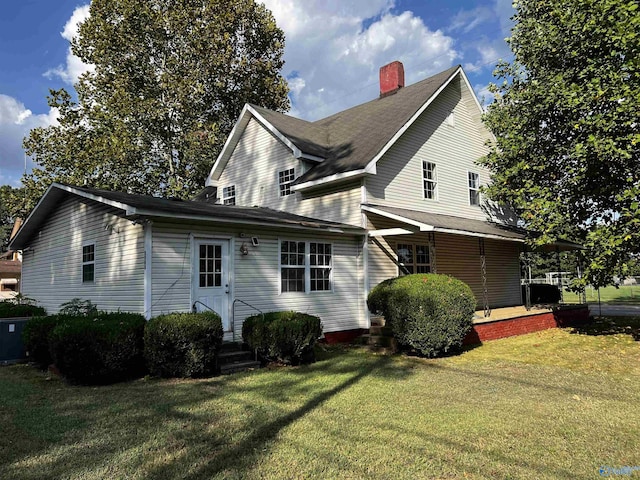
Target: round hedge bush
[286, 336]
[183, 344]
[431, 313]
[35, 337]
[98, 349]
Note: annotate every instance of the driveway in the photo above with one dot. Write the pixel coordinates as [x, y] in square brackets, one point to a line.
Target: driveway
[615, 310]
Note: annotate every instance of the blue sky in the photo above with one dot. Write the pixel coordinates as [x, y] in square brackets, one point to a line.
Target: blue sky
[333, 51]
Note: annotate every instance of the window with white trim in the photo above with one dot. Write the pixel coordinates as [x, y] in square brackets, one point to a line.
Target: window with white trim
[285, 179]
[429, 180]
[474, 188]
[413, 257]
[305, 266]
[229, 195]
[88, 263]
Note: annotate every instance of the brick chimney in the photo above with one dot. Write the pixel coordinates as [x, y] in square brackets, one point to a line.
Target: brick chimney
[391, 78]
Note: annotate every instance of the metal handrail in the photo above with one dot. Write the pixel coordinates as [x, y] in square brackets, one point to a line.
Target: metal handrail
[194, 310]
[233, 317]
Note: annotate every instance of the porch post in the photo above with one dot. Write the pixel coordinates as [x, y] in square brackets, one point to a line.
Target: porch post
[559, 261]
[432, 252]
[483, 271]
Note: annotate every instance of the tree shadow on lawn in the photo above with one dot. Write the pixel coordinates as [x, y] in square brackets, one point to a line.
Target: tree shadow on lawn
[171, 428]
[611, 326]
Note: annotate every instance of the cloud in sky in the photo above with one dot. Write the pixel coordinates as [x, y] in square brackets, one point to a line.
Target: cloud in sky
[334, 50]
[74, 67]
[15, 123]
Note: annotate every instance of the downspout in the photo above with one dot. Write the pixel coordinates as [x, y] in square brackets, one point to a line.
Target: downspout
[148, 258]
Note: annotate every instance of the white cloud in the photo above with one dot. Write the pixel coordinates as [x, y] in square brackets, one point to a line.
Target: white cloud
[484, 95]
[15, 123]
[334, 50]
[467, 20]
[71, 71]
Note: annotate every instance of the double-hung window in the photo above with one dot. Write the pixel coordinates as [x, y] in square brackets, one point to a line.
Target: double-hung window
[429, 180]
[285, 179]
[88, 262]
[305, 266]
[474, 188]
[229, 195]
[413, 258]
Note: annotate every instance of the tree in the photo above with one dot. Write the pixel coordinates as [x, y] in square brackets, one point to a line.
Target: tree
[565, 118]
[170, 80]
[11, 200]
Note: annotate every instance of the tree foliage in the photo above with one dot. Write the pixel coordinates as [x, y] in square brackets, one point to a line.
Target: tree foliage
[565, 117]
[169, 81]
[11, 204]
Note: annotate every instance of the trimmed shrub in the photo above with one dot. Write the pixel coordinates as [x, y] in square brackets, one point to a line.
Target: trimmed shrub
[378, 298]
[13, 308]
[429, 312]
[36, 335]
[183, 344]
[542, 293]
[103, 348]
[286, 336]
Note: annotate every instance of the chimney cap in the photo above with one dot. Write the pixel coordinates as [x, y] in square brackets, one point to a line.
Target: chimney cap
[391, 78]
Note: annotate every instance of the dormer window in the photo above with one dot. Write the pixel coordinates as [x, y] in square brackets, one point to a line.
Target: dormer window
[285, 179]
[229, 195]
[474, 188]
[429, 180]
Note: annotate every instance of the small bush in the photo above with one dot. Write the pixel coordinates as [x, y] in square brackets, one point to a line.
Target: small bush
[430, 313]
[36, 335]
[542, 293]
[78, 308]
[183, 344]
[102, 348]
[15, 307]
[287, 337]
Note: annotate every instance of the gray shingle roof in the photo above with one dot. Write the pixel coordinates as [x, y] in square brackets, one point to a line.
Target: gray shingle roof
[350, 139]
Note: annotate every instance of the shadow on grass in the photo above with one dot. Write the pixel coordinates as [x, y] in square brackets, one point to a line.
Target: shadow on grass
[611, 326]
[166, 428]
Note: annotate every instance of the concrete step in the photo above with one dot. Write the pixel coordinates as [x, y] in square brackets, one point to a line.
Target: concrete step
[377, 320]
[379, 330]
[379, 341]
[235, 367]
[233, 356]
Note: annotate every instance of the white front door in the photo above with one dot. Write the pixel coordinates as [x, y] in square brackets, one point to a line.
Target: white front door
[211, 280]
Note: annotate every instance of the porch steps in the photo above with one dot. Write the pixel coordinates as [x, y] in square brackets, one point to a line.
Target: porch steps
[380, 338]
[232, 358]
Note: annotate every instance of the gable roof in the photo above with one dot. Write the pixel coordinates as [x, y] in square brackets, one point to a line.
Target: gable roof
[143, 206]
[350, 142]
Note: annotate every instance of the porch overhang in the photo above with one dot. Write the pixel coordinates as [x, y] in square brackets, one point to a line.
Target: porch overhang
[414, 222]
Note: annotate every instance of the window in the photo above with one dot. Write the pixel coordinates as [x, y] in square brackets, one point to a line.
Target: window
[474, 188]
[305, 266]
[210, 266]
[88, 262]
[229, 195]
[429, 180]
[285, 179]
[414, 258]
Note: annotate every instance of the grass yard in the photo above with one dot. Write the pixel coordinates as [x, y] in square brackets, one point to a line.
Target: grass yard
[625, 294]
[557, 404]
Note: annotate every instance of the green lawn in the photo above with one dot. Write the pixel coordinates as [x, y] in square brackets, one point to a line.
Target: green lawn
[556, 404]
[626, 294]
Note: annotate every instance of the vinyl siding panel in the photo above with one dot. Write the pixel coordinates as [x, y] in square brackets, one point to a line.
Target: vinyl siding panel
[454, 150]
[255, 278]
[254, 166]
[52, 268]
[458, 256]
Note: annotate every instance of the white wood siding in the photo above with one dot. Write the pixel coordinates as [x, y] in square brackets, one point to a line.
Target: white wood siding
[458, 256]
[253, 168]
[52, 268]
[454, 150]
[255, 278]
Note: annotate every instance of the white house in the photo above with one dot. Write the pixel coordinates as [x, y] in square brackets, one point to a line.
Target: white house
[295, 215]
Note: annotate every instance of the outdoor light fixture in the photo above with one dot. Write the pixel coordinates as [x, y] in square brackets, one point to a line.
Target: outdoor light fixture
[244, 249]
